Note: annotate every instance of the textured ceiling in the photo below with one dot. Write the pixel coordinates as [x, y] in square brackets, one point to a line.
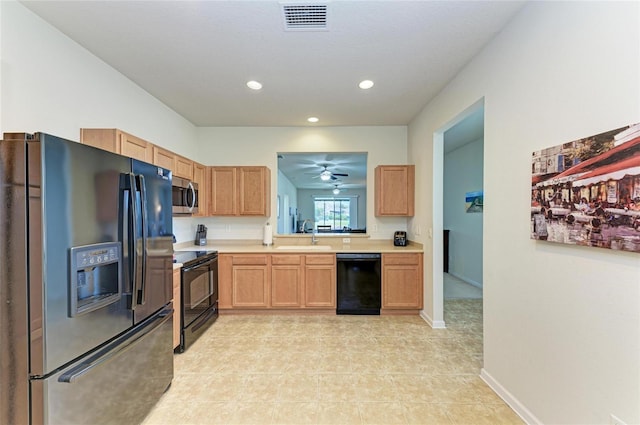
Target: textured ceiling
[196, 56]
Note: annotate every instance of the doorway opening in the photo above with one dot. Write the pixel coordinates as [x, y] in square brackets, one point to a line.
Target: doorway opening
[458, 188]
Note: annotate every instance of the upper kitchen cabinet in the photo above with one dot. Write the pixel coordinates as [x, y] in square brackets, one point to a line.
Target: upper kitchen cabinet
[182, 167]
[163, 158]
[395, 190]
[117, 141]
[200, 178]
[240, 191]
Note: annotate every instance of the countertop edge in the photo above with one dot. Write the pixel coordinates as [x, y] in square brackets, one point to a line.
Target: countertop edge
[256, 247]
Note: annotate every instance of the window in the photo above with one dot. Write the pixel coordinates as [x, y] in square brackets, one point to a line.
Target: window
[334, 212]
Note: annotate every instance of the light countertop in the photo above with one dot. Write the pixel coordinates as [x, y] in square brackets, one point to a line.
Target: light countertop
[299, 245]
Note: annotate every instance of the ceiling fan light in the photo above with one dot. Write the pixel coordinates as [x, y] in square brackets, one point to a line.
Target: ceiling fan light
[336, 191]
[325, 175]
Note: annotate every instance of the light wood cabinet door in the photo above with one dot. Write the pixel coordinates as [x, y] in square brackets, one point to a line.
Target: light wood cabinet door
[253, 191]
[395, 190]
[320, 281]
[402, 281]
[286, 281]
[222, 191]
[243, 191]
[250, 281]
[176, 307]
[117, 141]
[163, 158]
[182, 167]
[200, 177]
[101, 138]
[250, 286]
[135, 147]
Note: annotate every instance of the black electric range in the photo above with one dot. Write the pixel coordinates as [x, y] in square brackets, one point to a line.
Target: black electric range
[190, 258]
[198, 294]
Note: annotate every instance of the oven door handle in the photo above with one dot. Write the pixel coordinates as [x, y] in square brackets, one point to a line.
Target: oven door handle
[199, 265]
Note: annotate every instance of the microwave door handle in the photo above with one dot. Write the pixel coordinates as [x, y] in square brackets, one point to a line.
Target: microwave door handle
[133, 272]
[143, 210]
[193, 197]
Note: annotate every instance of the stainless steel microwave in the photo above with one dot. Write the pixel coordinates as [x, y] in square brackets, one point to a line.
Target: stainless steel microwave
[184, 195]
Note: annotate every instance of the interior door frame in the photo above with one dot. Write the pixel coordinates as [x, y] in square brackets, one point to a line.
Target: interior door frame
[438, 212]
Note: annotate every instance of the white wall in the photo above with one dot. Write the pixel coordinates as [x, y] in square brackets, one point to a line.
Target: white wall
[463, 173]
[49, 83]
[561, 323]
[259, 145]
[287, 191]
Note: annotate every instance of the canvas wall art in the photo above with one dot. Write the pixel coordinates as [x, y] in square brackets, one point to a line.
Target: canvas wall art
[587, 191]
[474, 202]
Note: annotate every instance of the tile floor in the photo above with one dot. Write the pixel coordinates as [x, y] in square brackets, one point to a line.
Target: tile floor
[335, 370]
[455, 288]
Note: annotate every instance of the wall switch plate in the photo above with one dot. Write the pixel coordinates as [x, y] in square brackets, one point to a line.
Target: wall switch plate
[346, 240]
[228, 228]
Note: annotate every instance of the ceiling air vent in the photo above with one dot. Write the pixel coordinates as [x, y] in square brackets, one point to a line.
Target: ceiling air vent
[305, 17]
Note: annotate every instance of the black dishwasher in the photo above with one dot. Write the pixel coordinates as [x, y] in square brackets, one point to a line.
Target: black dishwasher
[358, 283]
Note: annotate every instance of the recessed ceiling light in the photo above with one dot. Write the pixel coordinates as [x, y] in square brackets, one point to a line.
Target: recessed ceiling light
[254, 85]
[313, 119]
[366, 84]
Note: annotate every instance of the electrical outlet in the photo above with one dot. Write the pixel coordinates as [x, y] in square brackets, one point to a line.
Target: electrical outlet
[375, 228]
[346, 240]
[614, 420]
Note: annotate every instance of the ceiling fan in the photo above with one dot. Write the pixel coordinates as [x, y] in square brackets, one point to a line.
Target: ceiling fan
[327, 175]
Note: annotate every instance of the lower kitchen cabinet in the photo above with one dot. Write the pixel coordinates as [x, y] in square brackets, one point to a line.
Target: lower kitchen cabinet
[402, 281]
[277, 281]
[320, 281]
[244, 281]
[286, 281]
[176, 307]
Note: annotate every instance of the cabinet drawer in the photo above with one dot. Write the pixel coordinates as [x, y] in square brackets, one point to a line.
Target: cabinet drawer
[250, 259]
[400, 258]
[286, 259]
[321, 259]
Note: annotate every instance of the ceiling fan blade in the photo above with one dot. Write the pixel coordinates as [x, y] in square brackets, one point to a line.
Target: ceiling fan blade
[341, 174]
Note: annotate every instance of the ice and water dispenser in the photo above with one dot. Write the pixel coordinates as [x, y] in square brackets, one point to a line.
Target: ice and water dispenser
[95, 279]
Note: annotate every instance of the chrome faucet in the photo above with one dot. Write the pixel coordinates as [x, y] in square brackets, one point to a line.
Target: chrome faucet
[314, 240]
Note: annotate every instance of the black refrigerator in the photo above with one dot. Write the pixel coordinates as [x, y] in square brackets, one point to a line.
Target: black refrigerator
[86, 283]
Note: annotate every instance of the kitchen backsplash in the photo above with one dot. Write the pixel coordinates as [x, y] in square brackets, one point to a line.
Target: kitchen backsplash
[184, 228]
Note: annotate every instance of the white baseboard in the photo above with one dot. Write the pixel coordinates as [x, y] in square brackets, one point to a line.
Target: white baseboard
[435, 324]
[508, 398]
[466, 280]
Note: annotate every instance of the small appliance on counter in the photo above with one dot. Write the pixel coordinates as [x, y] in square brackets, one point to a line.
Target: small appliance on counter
[400, 238]
[201, 235]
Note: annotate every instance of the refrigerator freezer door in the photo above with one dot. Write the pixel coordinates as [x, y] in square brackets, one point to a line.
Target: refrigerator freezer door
[155, 238]
[119, 384]
[76, 205]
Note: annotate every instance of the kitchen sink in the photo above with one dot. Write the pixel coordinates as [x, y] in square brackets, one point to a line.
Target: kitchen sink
[305, 247]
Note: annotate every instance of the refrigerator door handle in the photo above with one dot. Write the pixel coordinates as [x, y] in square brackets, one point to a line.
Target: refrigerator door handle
[115, 348]
[143, 210]
[134, 227]
[193, 197]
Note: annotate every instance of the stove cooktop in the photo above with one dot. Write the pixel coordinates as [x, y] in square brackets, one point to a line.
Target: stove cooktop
[187, 257]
